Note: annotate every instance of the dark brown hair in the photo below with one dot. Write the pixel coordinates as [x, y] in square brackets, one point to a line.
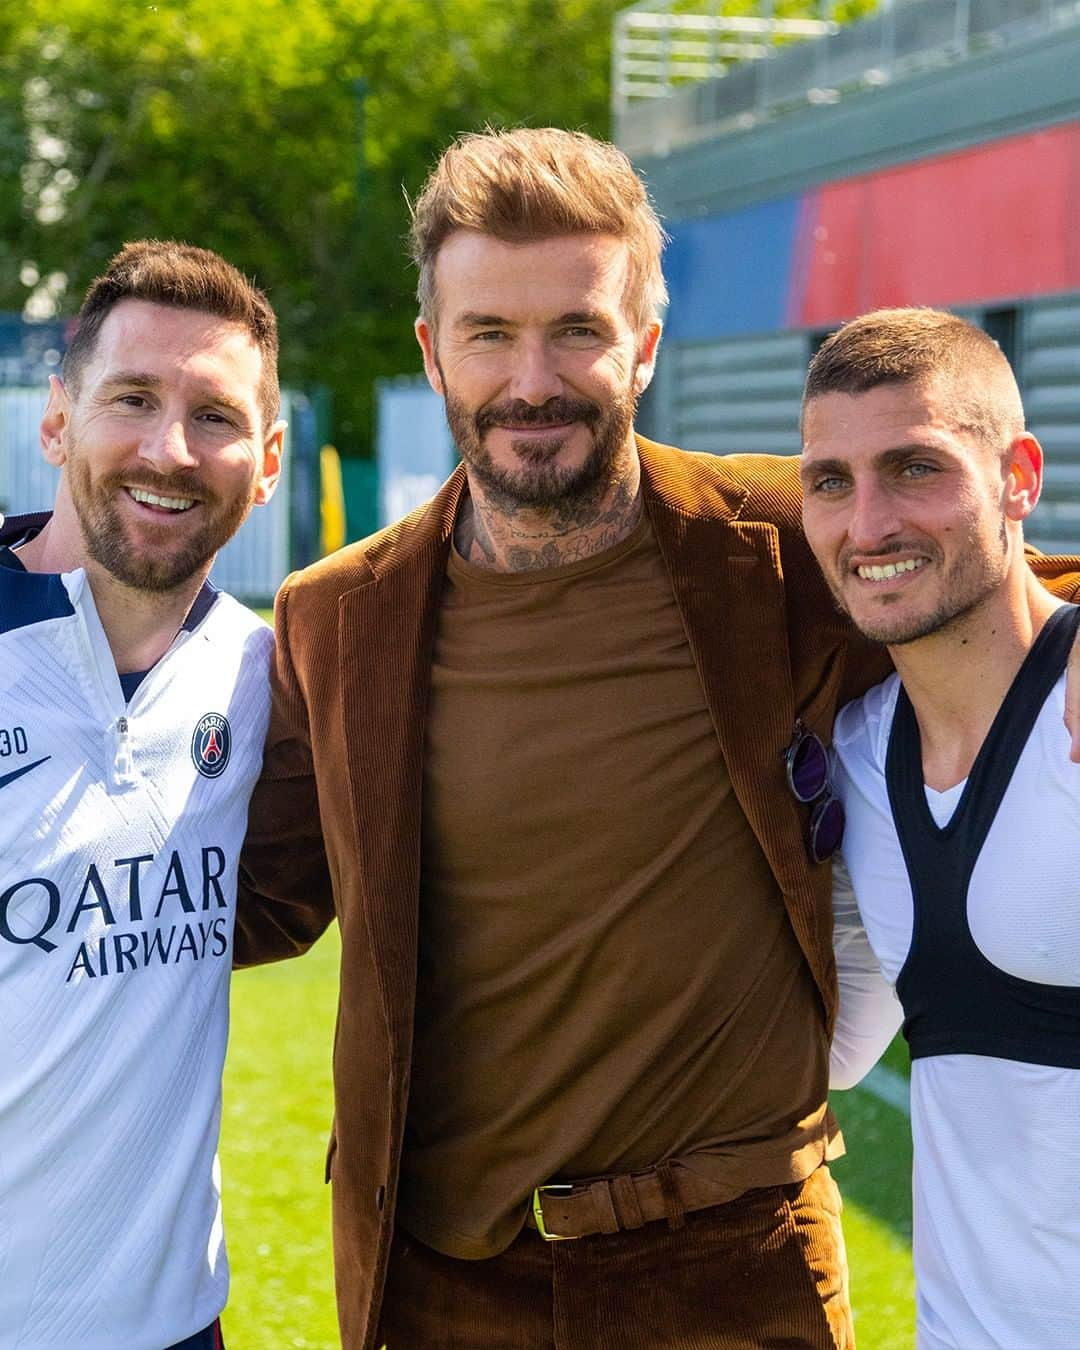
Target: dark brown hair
[539, 183]
[164, 272]
[923, 346]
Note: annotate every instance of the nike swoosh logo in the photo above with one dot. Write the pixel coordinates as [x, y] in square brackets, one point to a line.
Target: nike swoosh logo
[18, 773]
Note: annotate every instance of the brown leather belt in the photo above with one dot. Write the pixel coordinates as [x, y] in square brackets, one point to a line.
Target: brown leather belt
[611, 1204]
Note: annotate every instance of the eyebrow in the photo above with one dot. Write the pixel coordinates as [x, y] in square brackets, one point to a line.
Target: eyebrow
[810, 468]
[582, 316]
[143, 379]
[473, 319]
[896, 454]
[140, 377]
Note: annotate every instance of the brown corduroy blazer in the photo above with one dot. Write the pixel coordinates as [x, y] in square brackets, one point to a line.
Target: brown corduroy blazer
[335, 819]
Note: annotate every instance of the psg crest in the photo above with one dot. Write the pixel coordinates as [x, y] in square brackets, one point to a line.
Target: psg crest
[211, 745]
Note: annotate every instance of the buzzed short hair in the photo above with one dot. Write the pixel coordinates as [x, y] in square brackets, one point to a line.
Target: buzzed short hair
[164, 272]
[539, 183]
[923, 346]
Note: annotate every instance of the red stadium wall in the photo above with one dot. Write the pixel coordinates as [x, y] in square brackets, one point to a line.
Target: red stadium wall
[995, 222]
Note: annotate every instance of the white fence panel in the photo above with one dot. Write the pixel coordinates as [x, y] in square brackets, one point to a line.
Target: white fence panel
[255, 562]
[413, 446]
[27, 482]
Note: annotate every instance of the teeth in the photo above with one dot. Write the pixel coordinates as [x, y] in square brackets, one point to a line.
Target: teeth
[883, 573]
[169, 503]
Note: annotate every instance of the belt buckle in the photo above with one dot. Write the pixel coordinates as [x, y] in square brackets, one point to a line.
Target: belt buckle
[538, 1211]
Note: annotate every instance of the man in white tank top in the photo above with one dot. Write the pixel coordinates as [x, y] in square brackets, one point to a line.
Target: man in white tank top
[133, 706]
[963, 814]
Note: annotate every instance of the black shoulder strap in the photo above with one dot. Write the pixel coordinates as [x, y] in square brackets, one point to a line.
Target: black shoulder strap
[999, 753]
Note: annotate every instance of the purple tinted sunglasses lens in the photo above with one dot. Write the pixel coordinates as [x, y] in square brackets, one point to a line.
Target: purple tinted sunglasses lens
[826, 829]
[808, 768]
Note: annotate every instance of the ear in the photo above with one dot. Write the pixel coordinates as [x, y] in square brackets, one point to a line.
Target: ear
[425, 335]
[273, 450]
[1023, 477]
[54, 422]
[648, 345]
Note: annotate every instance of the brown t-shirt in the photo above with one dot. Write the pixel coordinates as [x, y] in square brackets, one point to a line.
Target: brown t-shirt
[607, 975]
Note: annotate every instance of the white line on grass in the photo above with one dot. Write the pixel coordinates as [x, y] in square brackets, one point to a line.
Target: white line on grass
[888, 1086]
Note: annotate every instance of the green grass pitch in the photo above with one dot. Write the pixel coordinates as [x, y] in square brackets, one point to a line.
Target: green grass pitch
[277, 1209]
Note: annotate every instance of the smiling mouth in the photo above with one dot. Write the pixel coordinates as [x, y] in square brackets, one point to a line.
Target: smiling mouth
[887, 571]
[159, 502]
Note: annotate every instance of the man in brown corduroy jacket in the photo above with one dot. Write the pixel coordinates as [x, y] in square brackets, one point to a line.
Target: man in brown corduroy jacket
[547, 750]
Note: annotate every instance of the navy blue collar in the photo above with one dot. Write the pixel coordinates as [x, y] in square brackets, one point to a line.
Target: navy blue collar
[201, 606]
[16, 530]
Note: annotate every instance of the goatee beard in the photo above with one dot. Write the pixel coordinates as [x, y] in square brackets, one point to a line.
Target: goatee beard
[539, 480]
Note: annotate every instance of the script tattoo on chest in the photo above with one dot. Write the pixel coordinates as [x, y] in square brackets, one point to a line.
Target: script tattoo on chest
[508, 536]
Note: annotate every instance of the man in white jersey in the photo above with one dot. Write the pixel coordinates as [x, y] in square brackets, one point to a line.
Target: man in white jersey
[133, 706]
[963, 813]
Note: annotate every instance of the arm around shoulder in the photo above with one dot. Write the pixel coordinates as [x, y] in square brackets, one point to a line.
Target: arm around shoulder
[1060, 574]
[869, 1013]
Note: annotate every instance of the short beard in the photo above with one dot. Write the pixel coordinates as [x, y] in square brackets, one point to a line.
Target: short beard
[973, 579]
[914, 629]
[541, 481]
[147, 569]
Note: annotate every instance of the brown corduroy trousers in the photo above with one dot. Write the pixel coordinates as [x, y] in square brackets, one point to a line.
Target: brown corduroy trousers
[763, 1272]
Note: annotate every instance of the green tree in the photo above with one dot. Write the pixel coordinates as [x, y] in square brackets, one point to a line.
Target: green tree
[283, 133]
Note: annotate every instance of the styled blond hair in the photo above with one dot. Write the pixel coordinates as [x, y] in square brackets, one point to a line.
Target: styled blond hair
[539, 183]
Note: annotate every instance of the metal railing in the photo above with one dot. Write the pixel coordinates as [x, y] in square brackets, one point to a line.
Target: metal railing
[662, 44]
[677, 97]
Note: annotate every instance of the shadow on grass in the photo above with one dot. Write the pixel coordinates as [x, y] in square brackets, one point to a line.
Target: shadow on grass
[876, 1171]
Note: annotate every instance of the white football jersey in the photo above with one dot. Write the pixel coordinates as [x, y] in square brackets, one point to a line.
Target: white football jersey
[120, 829]
[996, 1186]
